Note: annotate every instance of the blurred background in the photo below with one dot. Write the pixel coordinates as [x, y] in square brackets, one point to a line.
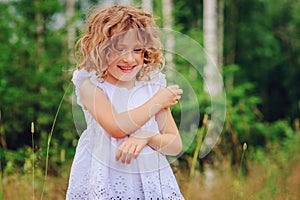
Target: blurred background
[255, 45]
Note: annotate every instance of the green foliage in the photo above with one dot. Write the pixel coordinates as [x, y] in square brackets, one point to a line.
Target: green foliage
[188, 16]
[157, 12]
[266, 47]
[242, 111]
[248, 125]
[32, 79]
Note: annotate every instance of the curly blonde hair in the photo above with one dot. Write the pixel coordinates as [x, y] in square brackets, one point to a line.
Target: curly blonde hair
[105, 26]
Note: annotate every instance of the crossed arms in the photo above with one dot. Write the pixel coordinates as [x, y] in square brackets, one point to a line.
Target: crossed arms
[119, 125]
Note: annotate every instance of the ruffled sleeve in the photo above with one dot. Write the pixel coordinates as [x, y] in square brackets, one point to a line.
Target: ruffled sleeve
[78, 77]
[159, 78]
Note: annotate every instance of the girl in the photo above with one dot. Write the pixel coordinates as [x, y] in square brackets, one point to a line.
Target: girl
[130, 129]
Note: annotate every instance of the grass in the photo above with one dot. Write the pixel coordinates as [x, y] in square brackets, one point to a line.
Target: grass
[18, 187]
[264, 181]
[242, 159]
[1, 190]
[49, 139]
[270, 177]
[195, 156]
[33, 159]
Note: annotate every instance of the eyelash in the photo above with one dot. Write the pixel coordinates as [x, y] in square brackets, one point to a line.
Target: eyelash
[136, 50]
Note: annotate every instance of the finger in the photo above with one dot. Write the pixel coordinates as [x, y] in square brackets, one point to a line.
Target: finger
[123, 155]
[170, 88]
[173, 87]
[178, 97]
[179, 91]
[176, 87]
[119, 153]
[130, 154]
[137, 151]
[173, 90]
[176, 90]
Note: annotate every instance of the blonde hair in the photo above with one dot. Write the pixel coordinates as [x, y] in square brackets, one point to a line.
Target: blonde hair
[104, 27]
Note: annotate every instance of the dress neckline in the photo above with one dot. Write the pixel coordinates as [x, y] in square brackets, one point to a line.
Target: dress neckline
[121, 88]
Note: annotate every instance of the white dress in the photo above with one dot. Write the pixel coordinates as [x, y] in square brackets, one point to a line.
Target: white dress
[95, 174]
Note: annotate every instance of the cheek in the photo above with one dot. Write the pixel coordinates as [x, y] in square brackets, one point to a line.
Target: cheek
[141, 59]
[112, 57]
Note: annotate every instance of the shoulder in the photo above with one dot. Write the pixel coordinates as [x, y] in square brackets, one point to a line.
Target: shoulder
[80, 75]
[150, 87]
[91, 93]
[157, 79]
[90, 86]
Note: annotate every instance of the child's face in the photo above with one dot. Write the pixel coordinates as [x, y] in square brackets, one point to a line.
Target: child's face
[127, 60]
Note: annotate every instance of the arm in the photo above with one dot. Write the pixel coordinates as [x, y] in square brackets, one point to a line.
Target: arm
[119, 125]
[167, 142]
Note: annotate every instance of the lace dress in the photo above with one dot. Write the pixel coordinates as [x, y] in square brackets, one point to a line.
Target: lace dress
[95, 174]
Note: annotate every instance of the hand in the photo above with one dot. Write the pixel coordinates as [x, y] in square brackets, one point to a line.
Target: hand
[131, 147]
[167, 97]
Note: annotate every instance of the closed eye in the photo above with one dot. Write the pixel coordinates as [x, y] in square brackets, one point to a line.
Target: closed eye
[121, 50]
[137, 50]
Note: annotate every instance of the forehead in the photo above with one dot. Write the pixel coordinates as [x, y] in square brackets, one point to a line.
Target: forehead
[129, 38]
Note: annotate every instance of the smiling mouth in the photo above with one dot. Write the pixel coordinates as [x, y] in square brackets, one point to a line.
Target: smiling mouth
[126, 69]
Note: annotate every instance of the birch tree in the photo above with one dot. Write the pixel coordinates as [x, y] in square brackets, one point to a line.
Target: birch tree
[220, 32]
[168, 24]
[71, 30]
[108, 3]
[211, 69]
[213, 83]
[147, 6]
[38, 32]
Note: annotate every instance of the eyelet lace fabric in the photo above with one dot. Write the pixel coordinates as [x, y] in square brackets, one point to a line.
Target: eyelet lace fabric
[95, 175]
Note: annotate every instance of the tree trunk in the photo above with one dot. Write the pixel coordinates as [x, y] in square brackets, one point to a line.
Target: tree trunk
[147, 6]
[108, 3]
[230, 57]
[2, 134]
[123, 2]
[211, 69]
[220, 32]
[39, 32]
[213, 82]
[234, 145]
[170, 42]
[71, 27]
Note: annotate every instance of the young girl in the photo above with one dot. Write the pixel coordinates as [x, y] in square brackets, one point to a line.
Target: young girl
[130, 129]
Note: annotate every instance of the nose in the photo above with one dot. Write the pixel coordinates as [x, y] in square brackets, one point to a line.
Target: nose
[129, 57]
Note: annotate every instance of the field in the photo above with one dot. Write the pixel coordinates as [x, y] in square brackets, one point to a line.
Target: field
[270, 179]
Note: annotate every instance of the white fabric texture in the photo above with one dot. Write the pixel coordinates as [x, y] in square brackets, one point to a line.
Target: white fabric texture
[96, 175]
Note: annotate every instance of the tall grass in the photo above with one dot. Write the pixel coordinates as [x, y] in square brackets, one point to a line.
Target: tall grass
[33, 157]
[196, 153]
[237, 182]
[242, 159]
[1, 190]
[1, 164]
[50, 138]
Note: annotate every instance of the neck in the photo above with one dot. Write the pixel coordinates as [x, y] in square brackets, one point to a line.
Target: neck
[119, 83]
